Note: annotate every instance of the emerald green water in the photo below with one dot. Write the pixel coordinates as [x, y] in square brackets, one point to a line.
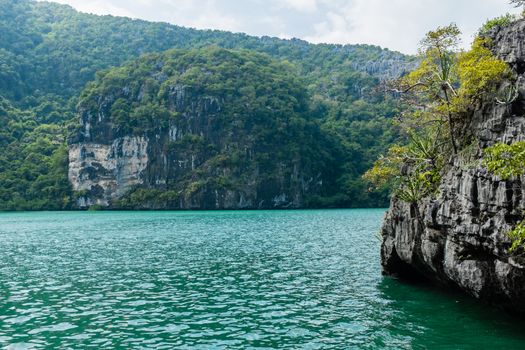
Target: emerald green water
[222, 280]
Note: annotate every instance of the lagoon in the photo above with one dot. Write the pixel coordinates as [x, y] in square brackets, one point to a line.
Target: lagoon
[222, 280]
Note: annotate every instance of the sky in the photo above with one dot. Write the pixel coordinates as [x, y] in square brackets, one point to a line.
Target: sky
[395, 24]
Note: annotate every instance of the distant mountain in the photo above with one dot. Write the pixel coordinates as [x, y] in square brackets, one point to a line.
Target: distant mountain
[48, 52]
[53, 48]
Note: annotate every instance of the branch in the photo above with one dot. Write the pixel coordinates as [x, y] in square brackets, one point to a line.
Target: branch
[452, 89]
[411, 87]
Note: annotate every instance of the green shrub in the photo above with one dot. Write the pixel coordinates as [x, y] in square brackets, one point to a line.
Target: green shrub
[517, 236]
[506, 160]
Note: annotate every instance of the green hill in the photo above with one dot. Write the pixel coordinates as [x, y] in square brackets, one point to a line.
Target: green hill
[48, 53]
[199, 129]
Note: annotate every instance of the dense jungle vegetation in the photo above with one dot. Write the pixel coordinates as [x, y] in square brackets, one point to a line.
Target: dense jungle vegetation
[48, 52]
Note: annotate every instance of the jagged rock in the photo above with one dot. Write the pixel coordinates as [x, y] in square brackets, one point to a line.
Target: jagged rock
[459, 238]
[112, 169]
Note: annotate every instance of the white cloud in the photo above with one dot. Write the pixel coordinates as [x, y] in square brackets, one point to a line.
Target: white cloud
[204, 14]
[395, 24]
[300, 5]
[98, 7]
[400, 24]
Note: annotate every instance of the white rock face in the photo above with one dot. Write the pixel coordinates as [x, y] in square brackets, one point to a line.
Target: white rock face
[109, 170]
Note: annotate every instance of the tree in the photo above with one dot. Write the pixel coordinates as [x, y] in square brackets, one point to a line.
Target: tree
[448, 81]
[441, 91]
[431, 88]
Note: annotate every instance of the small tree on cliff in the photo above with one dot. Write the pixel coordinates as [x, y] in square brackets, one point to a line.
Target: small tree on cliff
[429, 93]
[430, 90]
[437, 95]
[448, 81]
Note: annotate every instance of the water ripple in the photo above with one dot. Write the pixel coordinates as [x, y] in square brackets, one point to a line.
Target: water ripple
[219, 280]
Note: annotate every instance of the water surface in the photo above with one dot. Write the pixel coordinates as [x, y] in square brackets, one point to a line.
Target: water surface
[222, 280]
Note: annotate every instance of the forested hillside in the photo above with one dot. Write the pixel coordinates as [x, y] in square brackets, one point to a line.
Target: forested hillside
[199, 129]
[48, 52]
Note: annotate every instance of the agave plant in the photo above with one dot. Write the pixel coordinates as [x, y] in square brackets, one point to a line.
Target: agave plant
[416, 187]
[508, 95]
[426, 150]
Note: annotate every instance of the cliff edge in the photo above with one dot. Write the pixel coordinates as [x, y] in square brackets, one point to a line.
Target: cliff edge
[460, 237]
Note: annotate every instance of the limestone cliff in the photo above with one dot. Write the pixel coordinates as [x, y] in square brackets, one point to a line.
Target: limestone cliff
[459, 238]
[107, 172]
[202, 129]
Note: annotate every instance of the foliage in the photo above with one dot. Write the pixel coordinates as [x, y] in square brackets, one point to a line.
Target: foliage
[33, 161]
[506, 160]
[417, 186]
[479, 71]
[432, 86]
[54, 49]
[437, 95]
[247, 82]
[413, 171]
[240, 113]
[360, 132]
[386, 172]
[501, 21]
[517, 237]
[49, 52]
[447, 82]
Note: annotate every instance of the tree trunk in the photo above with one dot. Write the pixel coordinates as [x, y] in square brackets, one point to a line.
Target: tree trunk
[450, 124]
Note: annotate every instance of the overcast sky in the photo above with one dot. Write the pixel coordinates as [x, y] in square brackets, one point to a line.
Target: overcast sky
[394, 24]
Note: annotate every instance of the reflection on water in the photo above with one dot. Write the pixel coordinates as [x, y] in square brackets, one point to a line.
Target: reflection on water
[440, 319]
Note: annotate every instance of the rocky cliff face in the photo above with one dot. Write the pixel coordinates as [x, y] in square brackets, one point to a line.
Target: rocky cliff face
[176, 131]
[459, 238]
[103, 172]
